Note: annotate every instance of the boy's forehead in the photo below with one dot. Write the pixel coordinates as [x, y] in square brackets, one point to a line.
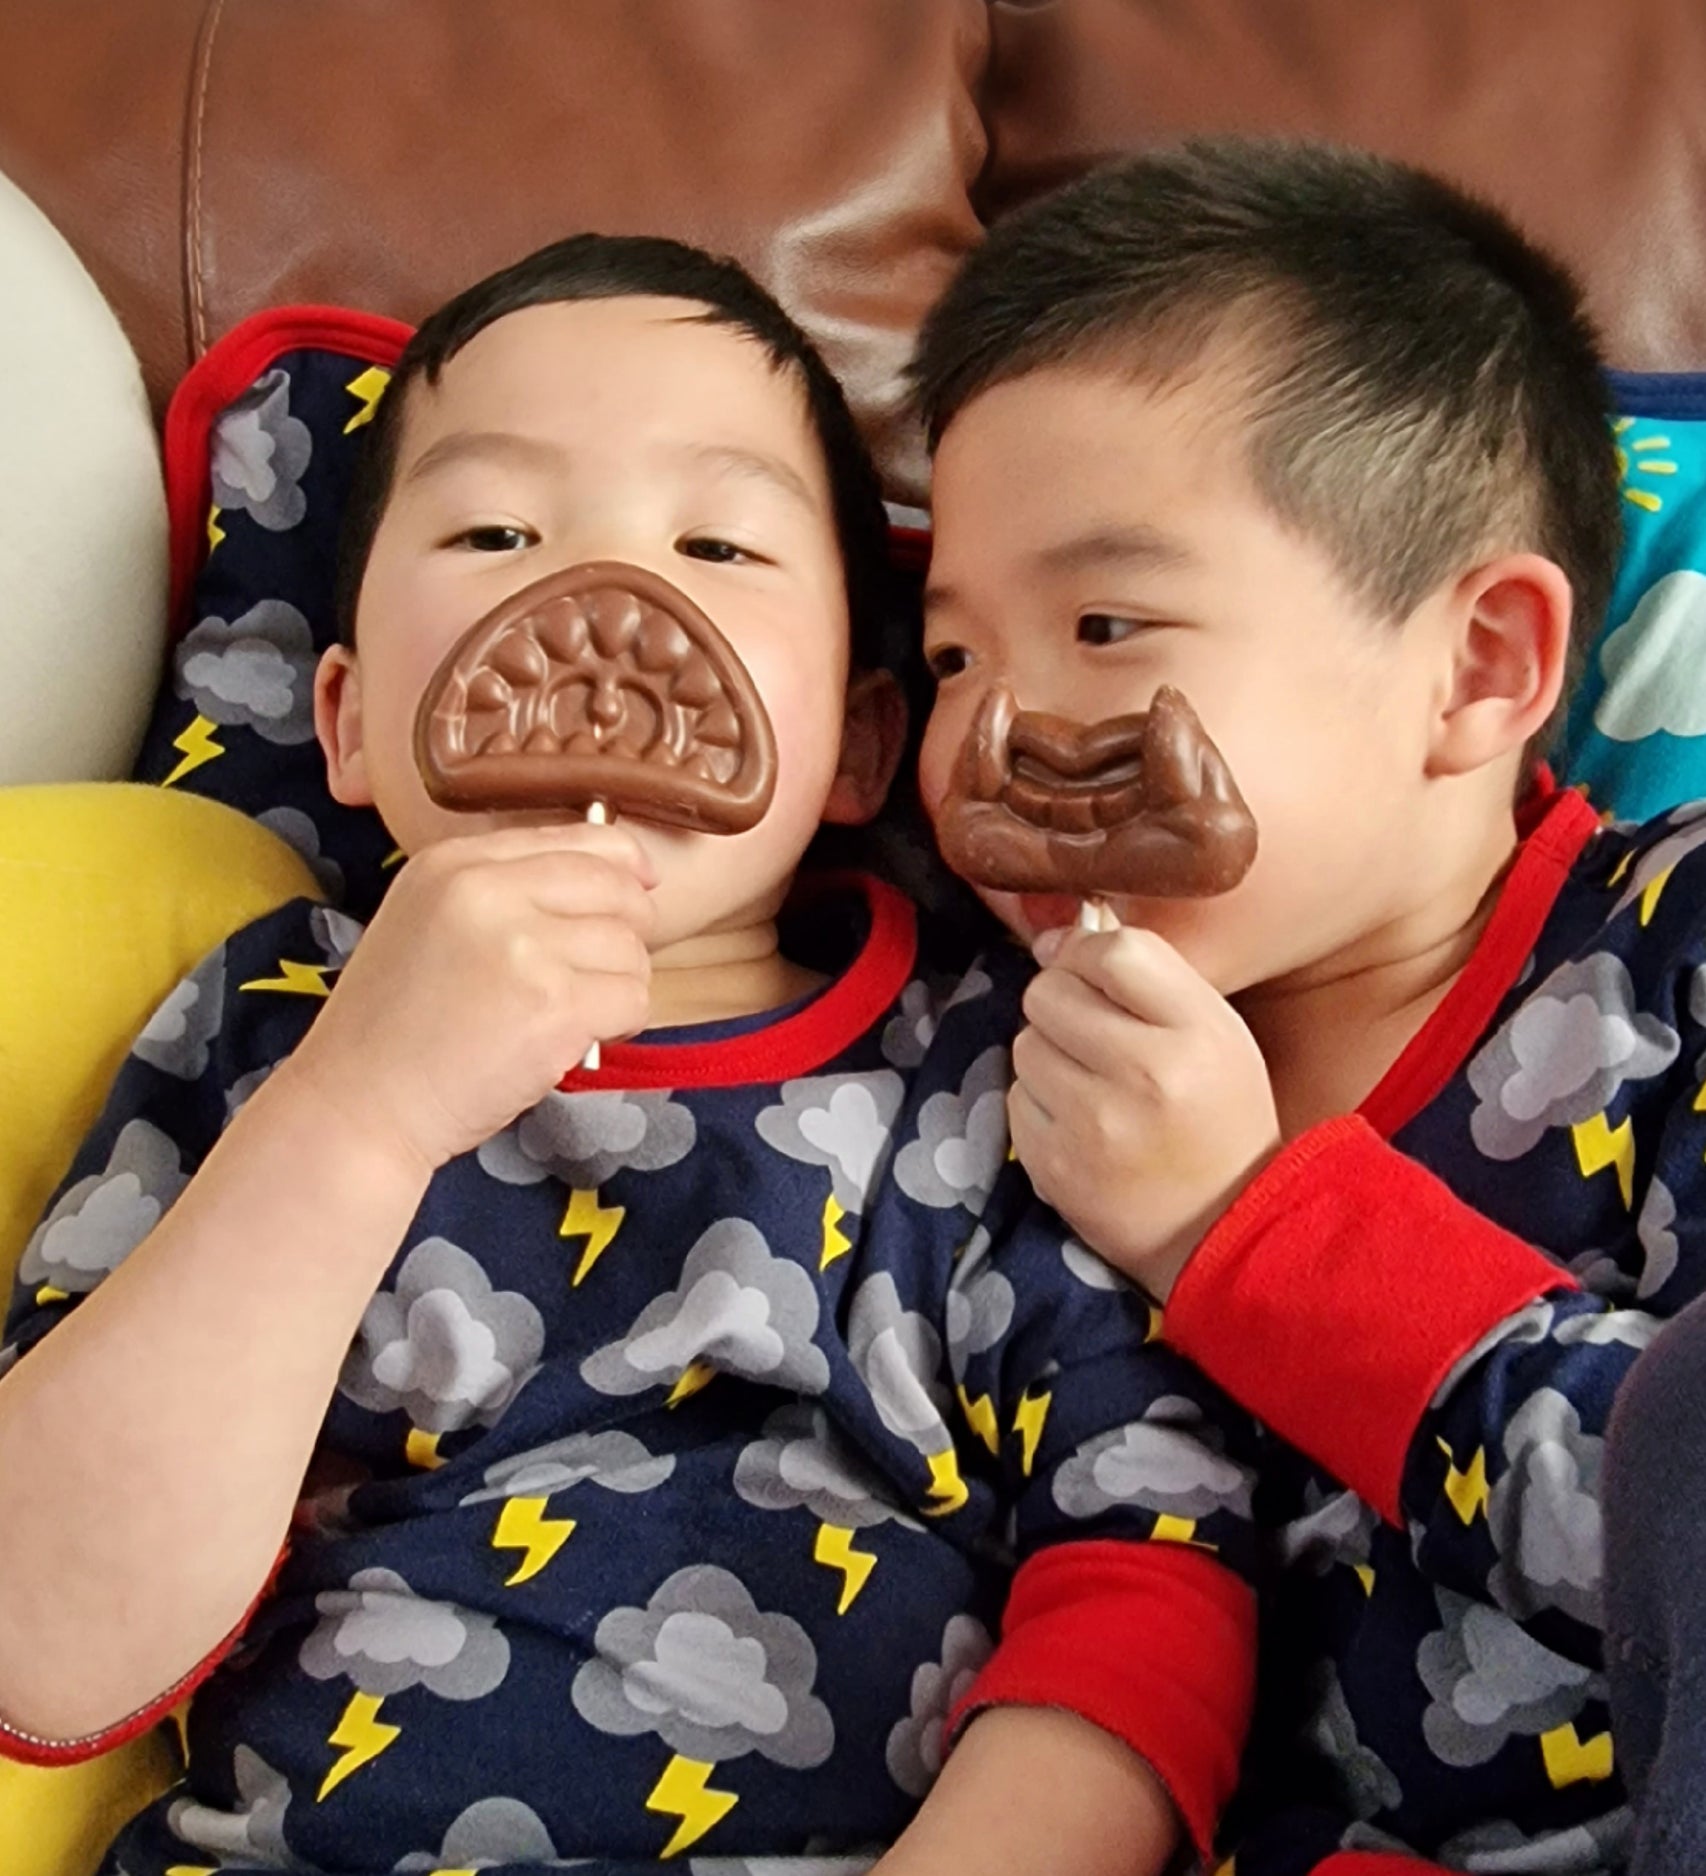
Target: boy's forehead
[613, 363]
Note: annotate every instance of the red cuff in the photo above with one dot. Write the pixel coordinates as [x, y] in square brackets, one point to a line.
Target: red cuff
[1347, 1273]
[1154, 1643]
[26, 1749]
[1367, 1863]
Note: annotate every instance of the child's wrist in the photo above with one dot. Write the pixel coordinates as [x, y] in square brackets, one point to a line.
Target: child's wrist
[340, 1124]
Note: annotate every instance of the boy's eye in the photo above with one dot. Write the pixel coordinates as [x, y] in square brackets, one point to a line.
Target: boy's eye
[948, 661]
[708, 547]
[495, 540]
[1105, 628]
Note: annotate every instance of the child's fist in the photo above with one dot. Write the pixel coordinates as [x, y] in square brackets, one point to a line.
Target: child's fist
[493, 965]
[1141, 1104]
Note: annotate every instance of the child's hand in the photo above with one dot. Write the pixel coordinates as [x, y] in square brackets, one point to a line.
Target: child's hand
[1141, 1105]
[493, 965]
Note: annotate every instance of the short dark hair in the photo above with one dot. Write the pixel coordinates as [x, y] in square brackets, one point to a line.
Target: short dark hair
[608, 267]
[1426, 382]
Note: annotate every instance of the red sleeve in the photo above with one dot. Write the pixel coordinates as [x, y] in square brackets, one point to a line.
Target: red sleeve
[1347, 1272]
[1154, 1643]
[1367, 1863]
[27, 1749]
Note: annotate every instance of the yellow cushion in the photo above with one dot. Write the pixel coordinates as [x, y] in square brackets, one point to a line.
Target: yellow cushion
[112, 893]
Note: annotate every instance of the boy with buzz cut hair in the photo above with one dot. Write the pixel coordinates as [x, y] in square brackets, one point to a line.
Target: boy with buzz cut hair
[1404, 1130]
[660, 1448]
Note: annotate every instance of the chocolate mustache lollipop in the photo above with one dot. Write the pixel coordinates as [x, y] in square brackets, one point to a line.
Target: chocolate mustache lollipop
[1142, 806]
[601, 688]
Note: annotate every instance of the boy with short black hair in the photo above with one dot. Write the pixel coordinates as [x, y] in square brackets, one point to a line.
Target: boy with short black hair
[657, 1444]
[1405, 1130]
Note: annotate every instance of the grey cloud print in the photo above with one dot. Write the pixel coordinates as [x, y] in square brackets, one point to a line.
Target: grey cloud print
[807, 1865]
[614, 1460]
[962, 1140]
[256, 671]
[179, 1033]
[908, 1034]
[585, 1139]
[1490, 1682]
[898, 1355]
[336, 933]
[297, 830]
[253, 1833]
[494, 1831]
[1544, 1512]
[1689, 823]
[801, 1463]
[979, 1308]
[1654, 1230]
[100, 1220]
[1559, 1060]
[1599, 1847]
[710, 1673]
[737, 1307]
[1366, 1784]
[917, 1744]
[1169, 1462]
[443, 1345]
[385, 1639]
[260, 454]
[1531, 1323]
[1336, 1527]
[844, 1123]
[1090, 1270]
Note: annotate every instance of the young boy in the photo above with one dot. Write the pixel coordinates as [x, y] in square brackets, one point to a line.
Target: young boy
[655, 1447]
[1406, 1130]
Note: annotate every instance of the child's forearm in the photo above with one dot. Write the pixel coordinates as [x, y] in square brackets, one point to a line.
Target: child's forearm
[1033, 1791]
[152, 1448]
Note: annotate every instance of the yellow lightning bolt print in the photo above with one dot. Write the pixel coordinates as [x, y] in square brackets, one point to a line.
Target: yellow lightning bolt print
[696, 1375]
[197, 748]
[1029, 1419]
[1571, 1760]
[834, 1550]
[1654, 892]
[51, 1293]
[393, 859]
[1171, 1530]
[836, 1242]
[1466, 1491]
[522, 1525]
[1365, 1576]
[294, 980]
[369, 386]
[683, 1792]
[980, 1417]
[363, 1736]
[946, 1485]
[215, 533]
[191, 1869]
[421, 1450]
[1620, 869]
[1599, 1144]
[598, 1224]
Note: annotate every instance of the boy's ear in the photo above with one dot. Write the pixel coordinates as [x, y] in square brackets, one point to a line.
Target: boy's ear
[1511, 637]
[337, 723]
[873, 739]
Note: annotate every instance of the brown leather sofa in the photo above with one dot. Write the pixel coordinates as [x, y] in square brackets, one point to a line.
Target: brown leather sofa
[207, 157]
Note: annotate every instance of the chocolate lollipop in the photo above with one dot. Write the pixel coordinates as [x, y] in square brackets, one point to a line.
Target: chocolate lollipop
[1141, 806]
[601, 688]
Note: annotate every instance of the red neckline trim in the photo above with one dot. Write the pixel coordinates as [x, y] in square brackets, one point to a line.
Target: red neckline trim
[1556, 825]
[799, 1043]
[220, 376]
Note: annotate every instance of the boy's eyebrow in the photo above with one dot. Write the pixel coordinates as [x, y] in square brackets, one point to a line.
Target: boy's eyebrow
[734, 459]
[459, 446]
[1132, 545]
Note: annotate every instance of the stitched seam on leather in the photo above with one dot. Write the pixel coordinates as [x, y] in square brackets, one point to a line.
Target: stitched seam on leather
[204, 68]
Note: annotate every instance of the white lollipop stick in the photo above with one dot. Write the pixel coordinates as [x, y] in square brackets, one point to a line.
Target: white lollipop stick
[1097, 915]
[597, 815]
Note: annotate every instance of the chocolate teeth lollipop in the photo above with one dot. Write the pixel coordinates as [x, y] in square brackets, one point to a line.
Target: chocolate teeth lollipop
[1139, 806]
[605, 685]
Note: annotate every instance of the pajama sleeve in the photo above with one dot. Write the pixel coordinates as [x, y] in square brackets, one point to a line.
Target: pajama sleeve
[206, 1048]
[1130, 1480]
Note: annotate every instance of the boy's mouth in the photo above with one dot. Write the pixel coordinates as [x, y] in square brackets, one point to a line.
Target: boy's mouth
[1139, 806]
